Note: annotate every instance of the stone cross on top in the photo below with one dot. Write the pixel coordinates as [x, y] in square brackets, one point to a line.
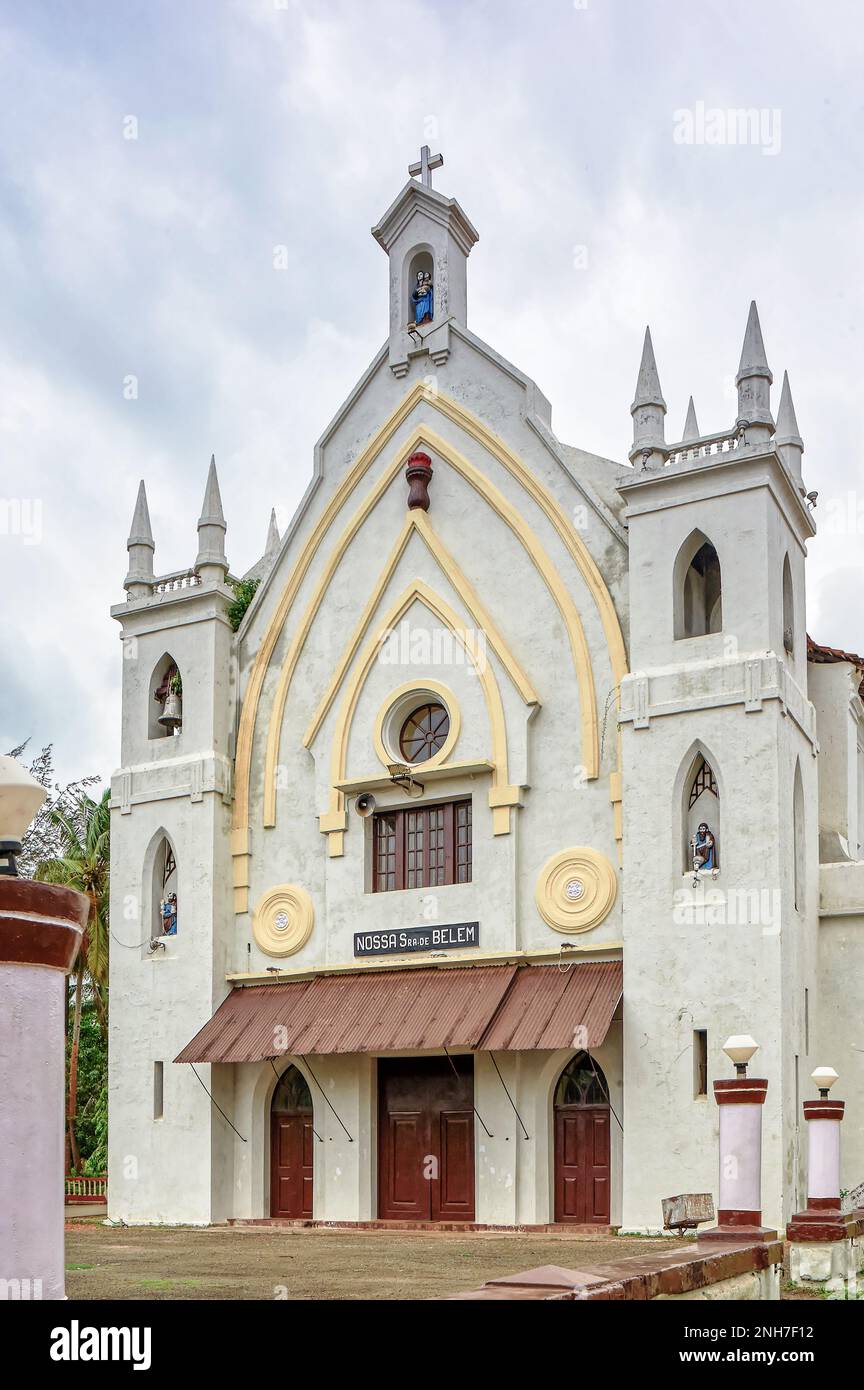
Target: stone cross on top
[426, 164]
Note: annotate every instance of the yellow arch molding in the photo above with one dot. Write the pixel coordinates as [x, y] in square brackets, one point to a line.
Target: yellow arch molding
[537, 490]
[418, 520]
[501, 795]
[415, 521]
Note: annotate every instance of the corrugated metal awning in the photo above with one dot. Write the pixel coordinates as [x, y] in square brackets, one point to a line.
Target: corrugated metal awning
[550, 1006]
[484, 1007]
[380, 1011]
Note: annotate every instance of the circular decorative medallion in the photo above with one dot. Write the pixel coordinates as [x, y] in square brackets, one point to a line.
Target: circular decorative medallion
[576, 889]
[283, 920]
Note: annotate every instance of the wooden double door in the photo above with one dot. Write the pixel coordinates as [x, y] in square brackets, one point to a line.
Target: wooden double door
[426, 1139]
[582, 1183]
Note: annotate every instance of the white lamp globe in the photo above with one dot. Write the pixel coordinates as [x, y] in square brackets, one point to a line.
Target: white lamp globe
[20, 798]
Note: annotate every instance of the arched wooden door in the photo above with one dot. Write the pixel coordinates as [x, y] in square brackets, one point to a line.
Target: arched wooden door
[291, 1154]
[582, 1134]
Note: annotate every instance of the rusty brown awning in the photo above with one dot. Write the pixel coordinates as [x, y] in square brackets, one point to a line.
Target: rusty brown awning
[484, 1007]
[548, 1006]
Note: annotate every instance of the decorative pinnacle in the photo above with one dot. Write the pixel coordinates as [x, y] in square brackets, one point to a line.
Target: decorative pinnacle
[787, 424]
[141, 533]
[753, 359]
[211, 512]
[691, 428]
[274, 540]
[648, 381]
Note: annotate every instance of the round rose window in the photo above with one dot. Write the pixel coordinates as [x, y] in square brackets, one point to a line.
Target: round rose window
[424, 733]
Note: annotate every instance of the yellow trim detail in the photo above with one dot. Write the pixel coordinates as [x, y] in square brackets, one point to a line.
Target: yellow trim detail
[576, 889]
[535, 488]
[419, 689]
[283, 920]
[334, 819]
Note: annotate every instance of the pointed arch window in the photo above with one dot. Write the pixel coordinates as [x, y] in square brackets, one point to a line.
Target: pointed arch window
[581, 1083]
[166, 699]
[701, 817]
[165, 891]
[698, 598]
[703, 780]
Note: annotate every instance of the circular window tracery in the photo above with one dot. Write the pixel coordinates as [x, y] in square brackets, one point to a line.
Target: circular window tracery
[424, 733]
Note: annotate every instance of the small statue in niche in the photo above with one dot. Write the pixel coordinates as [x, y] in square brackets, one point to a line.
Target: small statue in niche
[422, 297]
[704, 849]
[169, 915]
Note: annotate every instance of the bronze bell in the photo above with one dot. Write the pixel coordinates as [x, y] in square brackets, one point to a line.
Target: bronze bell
[172, 712]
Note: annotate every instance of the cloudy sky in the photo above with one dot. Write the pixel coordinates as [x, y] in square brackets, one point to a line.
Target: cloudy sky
[154, 154]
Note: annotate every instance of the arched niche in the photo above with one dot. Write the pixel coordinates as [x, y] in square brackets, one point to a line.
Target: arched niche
[700, 807]
[788, 608]
[697, 580]
[419, 258]
[165, 681]
[164, 894]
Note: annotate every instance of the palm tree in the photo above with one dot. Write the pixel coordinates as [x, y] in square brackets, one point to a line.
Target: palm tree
[84, 864]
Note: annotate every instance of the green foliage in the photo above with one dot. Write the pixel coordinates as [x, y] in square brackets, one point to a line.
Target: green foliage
[84, 863]
[45, 838]
[244, 591]
[91, 1123]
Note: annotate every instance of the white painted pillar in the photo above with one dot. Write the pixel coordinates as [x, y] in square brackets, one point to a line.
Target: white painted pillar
[40, 933]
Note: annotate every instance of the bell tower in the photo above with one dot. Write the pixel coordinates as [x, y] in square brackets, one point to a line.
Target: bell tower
[170, 865]
[428, 239]
[717, 731]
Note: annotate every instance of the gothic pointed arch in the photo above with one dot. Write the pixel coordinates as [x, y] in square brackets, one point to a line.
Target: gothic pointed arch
[697, 588]
[165, 698]
[582, 1143]
[699, 793]
[532, 485]
[160, 898]
[502, 796]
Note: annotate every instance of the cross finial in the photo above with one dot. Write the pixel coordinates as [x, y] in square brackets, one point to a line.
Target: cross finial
[424, 167]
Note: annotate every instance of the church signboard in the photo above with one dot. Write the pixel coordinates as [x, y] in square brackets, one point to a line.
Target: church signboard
[397, 943]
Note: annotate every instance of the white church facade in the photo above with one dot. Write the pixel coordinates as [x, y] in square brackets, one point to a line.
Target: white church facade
[438, 885]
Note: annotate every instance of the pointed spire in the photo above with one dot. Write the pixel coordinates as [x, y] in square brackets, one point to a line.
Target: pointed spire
[211, 512]
[754, 384]
[648, 410]
[648, 381]
[273, 538]
[691, 428]
[211, 563]
[788, 437]
[753, 359]
[141, 532]
[139, 580]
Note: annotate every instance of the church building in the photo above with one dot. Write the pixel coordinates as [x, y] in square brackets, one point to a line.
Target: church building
[439, 883]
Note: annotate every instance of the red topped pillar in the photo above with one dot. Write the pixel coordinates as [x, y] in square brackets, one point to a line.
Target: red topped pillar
[41, 926]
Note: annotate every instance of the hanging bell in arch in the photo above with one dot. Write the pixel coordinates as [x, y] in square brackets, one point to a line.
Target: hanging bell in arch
[172, 712]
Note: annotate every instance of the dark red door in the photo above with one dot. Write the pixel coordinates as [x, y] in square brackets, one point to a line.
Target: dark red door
[582, 1164]
[290, 1166]
[291, 1153]
[426, 1139]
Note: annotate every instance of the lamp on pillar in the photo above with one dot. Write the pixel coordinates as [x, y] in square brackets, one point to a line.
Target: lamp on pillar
[823, 1221]
[739, 1209]
[41, 926]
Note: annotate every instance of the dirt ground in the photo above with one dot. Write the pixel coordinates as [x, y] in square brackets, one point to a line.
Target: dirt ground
[310, 1263]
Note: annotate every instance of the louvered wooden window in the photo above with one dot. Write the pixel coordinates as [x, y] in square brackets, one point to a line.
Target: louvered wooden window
[426, 847]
